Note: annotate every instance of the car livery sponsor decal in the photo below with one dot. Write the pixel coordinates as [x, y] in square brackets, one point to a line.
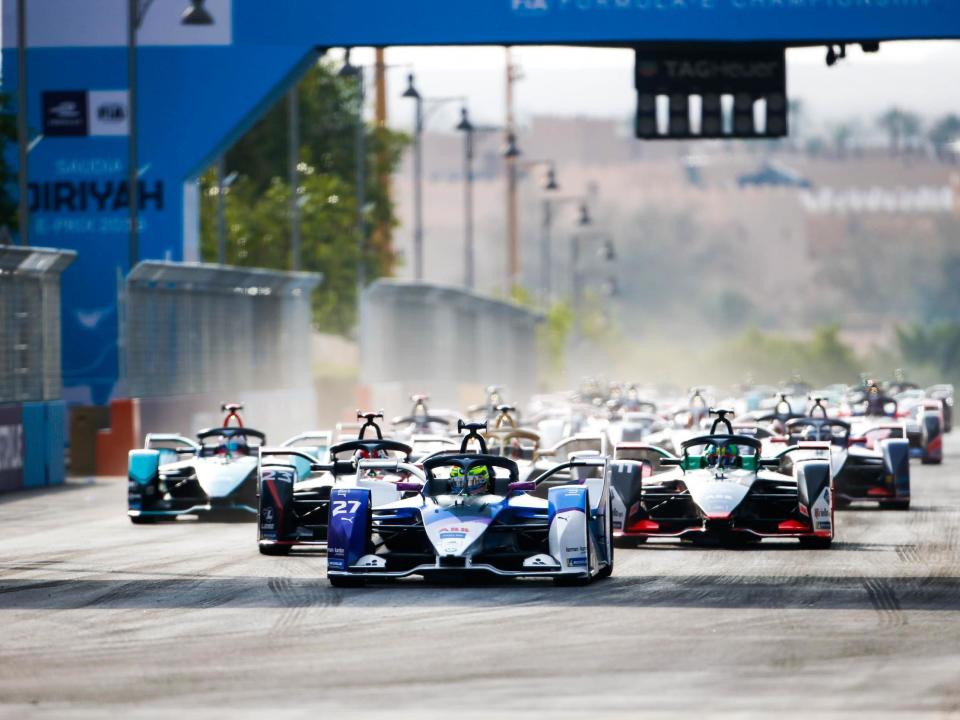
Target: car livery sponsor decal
[577, 562]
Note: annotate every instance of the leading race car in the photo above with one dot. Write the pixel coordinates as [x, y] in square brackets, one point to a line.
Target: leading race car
[214, 475]
[721, 490]
[470, 515]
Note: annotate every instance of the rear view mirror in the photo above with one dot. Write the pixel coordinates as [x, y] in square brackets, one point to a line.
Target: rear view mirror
[409, 487]
[858, 441]
[769, 462]
[670, 462]
[523, 486]
[778, 439]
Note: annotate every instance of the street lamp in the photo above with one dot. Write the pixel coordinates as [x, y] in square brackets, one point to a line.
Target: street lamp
[420, 119]
[353, 71]
[607, 252]
[468, 129]
[549, 203]
[194, 15]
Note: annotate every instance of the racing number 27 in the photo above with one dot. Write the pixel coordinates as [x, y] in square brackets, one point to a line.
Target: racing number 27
[340, 507]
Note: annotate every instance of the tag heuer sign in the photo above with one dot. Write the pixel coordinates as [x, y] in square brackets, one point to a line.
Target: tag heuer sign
[65, 113]
[729, 83]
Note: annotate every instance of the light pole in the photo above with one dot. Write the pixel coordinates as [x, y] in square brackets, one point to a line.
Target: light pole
[360, 151]
[420, 121]
[411, 92]
[609, 254]
[194, 15]
[23, 206]
[467, 128]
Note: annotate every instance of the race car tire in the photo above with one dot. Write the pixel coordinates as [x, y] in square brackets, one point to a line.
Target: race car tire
[896, 505]
[816, 543]
[607, 571]
[346, 581]
[141, 520]
[932, 430]
[275, 549]
[629, 542]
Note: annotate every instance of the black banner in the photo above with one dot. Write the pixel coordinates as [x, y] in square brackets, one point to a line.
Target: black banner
[11, 447]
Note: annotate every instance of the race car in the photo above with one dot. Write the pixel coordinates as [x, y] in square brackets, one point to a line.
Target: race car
[943, 393]
[215, 475]
[470, 515]
[720, 490]
[294, 486]
[924, 420]
[874, 467]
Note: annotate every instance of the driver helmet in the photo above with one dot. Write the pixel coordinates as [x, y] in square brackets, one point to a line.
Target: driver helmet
[722, 456]
[236, 445]
[476, 482]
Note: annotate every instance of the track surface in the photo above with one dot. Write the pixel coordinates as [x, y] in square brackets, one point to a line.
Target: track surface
[100, 617]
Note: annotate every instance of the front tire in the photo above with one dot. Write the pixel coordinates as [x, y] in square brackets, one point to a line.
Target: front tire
[896, 505]
[346, 581]
[275, 549]
[816, 543]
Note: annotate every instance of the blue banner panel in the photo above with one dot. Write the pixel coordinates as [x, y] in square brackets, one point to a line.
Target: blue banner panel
[11, 447]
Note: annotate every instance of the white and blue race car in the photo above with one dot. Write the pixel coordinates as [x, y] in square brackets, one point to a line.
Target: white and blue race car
[469, 514]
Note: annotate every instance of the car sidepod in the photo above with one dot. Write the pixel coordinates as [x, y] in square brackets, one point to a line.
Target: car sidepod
[143, 481]
[932, 439]
[896, 467]
[815, 495]
[348, 531]
[581, 528]
[276, 522]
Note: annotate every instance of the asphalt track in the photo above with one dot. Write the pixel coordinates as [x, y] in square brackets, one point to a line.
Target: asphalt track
[100, 618]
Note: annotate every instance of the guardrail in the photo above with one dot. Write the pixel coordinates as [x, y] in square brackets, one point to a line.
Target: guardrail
[421, 337]
[190, 328]
[30, 322]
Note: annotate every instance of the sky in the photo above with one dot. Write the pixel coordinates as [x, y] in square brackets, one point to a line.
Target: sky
[599, 82]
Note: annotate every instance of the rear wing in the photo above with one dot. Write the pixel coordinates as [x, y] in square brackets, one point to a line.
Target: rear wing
[182, 445]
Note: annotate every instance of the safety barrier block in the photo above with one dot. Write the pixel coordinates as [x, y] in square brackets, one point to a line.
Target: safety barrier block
[35, 441]
[56, 432]
[122, 437]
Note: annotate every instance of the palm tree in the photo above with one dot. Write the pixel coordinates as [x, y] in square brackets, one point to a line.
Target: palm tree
[942, 134]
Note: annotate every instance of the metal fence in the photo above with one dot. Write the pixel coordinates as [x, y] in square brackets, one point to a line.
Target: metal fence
[30, 322]
[418, 337]
[190, 328]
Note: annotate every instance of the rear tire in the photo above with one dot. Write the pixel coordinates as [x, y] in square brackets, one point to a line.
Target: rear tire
[346, 581]
[816, 543]
[608, 530]
[141, 520]
[275, 549]
[931, 461]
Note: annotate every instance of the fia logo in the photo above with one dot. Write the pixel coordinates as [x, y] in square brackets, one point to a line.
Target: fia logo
[530, 7]
[111, 112]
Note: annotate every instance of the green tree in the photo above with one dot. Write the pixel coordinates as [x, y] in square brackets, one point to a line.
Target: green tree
[902, 128]
[257, 204]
